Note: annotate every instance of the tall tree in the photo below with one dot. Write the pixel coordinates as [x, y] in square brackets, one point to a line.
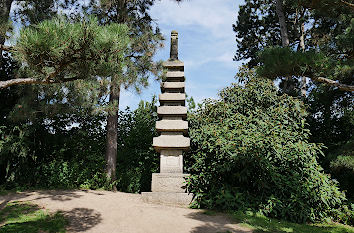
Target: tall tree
[320, 49]
[5, 7]
[139, 60]
[254, 17]
[64, 50]
[282, 23]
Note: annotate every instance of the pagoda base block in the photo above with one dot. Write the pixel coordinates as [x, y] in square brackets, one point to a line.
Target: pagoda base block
[168, 198]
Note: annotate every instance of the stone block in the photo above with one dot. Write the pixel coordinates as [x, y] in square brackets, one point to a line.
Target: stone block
[174, 74]
[171, 161]
[172, 126]
[172, 111]
[171, 142]
[168, 182]
[173, 64]
[174, 97]
[166, 86]
[167, 198]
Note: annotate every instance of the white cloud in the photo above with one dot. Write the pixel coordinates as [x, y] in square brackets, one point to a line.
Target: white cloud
[216, 16]
[225, 58]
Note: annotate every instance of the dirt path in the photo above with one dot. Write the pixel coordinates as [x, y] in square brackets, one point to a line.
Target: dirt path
[106, 212]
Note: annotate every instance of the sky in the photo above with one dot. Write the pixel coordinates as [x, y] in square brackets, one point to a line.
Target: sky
[206, 46]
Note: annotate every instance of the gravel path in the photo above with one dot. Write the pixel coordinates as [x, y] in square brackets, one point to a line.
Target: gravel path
[106, 212]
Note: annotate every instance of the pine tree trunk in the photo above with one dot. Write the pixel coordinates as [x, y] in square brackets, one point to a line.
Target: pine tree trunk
[284, 39]
[112, 131]
[302, 46]
[282, 23]
[5, 7]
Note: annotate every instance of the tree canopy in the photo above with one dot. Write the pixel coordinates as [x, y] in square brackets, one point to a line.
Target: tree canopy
[320, 38]
[58, 50]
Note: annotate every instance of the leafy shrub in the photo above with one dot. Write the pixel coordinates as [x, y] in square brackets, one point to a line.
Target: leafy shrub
[53, 155]
[136, 157]
[250, 150]
[342, 167]
[60, 155]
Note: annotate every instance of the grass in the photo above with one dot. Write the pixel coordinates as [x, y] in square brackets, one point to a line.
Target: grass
[259, 223]
[27, 218]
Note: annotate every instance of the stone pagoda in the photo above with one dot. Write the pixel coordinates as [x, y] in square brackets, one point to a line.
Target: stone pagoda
[168, 186]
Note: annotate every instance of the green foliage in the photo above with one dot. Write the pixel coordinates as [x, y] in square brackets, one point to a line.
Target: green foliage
[250, 149]
[279, 62]
[342, 167]
[331, 120]
[259, 223]
[67, 151]
[56, 154]
[27, 217]
[325, 26]
[249, 25]
[136, 157]
[59, 49]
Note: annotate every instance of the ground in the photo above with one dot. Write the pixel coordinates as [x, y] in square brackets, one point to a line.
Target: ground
[103, 211]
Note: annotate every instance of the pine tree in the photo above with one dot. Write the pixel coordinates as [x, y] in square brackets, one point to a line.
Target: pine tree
[138, 58]
[132, 70]
[326, 56]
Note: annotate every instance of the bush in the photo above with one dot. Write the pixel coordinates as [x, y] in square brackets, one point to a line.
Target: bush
[342, 167]
[136, 157]
[250, 150]
[55, 155]
[60, 155]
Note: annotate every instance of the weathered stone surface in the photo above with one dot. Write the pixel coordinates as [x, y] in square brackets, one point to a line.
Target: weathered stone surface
[172, 111]
[168, 182]
[168, 198]
[174, 74]
[171, 152]
[171, 64]
[168, 186]
[165, 86]
[174, 46]
[171, 164]
[172, 125]
[171, 142]
[175, 97]
[171, 161]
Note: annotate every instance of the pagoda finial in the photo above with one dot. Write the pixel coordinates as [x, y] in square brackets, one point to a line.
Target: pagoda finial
[174, 45]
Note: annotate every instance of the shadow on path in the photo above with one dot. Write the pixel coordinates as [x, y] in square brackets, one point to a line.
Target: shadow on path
[81, 219]
[4, 200]
[58, 195]
[55, 195]
[215, 223]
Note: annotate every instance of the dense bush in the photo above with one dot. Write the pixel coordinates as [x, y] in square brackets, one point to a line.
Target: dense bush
[54, 153]
[68, 152]
[136, 157]
[331, 122]
[342, 167]
[250, 150]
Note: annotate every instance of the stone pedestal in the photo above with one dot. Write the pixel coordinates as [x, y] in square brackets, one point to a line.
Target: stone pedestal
[168, 186]
[168, 182]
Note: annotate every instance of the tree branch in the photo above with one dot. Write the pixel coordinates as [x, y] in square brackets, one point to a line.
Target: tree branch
[351, 5]
[6, 48]
[343, 87]
[19, 81]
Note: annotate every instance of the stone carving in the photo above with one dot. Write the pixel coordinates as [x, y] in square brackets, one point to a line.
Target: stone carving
[168, 185]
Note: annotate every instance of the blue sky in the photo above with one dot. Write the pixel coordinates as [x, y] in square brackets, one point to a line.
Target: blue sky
[206, 45]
